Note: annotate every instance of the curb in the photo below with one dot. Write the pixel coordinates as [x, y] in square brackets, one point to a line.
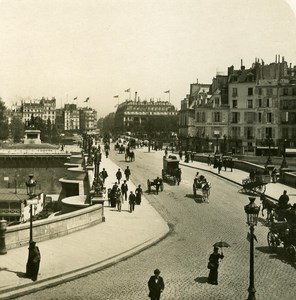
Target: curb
[26, 289]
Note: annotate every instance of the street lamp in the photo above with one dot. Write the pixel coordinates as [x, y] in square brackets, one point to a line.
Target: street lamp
[284, 162]
[252, 211]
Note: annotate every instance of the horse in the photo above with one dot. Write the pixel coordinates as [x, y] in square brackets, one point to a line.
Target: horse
[270, 207]
[130, 155]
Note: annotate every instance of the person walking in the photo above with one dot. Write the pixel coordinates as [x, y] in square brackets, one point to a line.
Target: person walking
[107, 153]
[127, 173]
[209, 160]
[124, 189]
[192, 157]
[155, 285]
[119, 200]
[132, 201]
[219, 166]
[213, 265]
[180, 154]
[139, 193]
[118, 176]
[104, 174]
[273, 175]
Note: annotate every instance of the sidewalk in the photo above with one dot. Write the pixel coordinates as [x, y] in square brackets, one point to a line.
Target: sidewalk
[63, 259]
[273, 190]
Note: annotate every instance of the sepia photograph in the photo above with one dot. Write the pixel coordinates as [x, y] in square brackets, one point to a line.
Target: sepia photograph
[147, 149]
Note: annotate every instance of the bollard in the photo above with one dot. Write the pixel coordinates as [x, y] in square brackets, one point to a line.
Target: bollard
[3, 226]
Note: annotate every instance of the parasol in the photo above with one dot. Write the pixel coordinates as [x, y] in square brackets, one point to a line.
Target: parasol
[221, 244]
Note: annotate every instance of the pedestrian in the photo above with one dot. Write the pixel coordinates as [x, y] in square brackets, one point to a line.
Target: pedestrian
[132, 201]
[104, 174]
[273, 175]
[32, 267]
[209, 160]
[155, 285]
[119, 200]
[192, 157]
[231, 164]
[186, 157]
[107, 153]
[139, 193]
[127, 173]
[124, 189]
[219, 165]
[157, 184]
[180, 154]
[225, 164]
[166, 152]
[213, 265]
[118, 176]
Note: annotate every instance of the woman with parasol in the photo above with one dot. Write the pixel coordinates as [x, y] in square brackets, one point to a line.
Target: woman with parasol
[213, 263]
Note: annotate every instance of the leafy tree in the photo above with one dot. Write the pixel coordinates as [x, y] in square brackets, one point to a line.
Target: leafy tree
[4, 132]
[17, 129]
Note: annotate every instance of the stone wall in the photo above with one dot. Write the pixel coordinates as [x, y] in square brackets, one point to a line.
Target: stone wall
[59, 225]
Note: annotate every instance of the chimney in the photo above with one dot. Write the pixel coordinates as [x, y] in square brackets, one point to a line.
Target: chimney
[283, 58]
[136, 96]
[197, 80]
[279, 58]
[275, 58]
[241, 63]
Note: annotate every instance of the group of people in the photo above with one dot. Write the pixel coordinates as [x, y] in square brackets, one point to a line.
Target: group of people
[119, 193]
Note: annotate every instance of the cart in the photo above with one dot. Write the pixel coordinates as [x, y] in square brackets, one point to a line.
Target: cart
[201, 186]
[256, 185]
[171, 170]
[157, 183]
[280, 233]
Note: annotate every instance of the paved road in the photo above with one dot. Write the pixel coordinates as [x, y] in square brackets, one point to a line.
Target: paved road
[182, 256]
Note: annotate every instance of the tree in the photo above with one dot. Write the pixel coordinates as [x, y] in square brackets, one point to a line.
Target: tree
[4, 132]
[17, 129]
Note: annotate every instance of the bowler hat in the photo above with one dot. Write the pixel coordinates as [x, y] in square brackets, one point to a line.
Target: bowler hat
[156, 271]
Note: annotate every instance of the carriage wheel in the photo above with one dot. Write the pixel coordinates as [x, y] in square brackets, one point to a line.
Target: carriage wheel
[271, 240]
[149, 186]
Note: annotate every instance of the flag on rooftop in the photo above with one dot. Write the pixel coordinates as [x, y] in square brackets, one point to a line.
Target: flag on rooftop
[167, 91]
[128, 90]
[86, 100]
[116, 96]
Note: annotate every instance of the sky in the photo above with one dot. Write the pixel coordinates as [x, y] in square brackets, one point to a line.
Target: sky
[100, 48]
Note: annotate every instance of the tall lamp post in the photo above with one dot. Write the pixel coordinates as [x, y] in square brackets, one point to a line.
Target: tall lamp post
[252, 211]
[284, 162]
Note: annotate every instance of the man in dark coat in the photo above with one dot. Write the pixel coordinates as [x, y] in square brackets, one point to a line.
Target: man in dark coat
[132, 201]
[127, 173]
[118, 176]
[155, 285]
[124, 189]
[104, 175]
[284, 200]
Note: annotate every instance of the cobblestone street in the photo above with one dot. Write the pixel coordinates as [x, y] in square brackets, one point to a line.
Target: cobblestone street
[182, 257]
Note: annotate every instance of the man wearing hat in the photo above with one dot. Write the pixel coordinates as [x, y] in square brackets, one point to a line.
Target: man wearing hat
[213, 266]
[155, 285]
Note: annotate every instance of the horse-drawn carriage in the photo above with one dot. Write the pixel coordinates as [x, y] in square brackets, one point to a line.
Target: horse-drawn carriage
[129, 155]
[200, 184]
[157, 183]
[256, 184]
[171, 170]
[282, 233]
